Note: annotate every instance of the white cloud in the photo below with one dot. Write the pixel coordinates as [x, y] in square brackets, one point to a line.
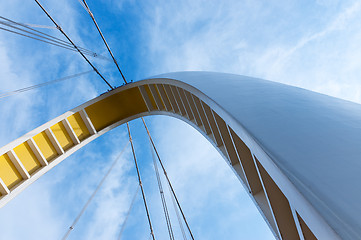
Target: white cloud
[15, 108]
[339, 24]
[284, 41]
[306, 45]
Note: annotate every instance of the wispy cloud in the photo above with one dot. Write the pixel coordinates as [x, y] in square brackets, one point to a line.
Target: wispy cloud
[311, 46]
[342, 21]
[316, 46]
[339, 24]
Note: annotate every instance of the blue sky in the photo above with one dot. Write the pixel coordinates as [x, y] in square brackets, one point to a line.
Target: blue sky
[310, 44]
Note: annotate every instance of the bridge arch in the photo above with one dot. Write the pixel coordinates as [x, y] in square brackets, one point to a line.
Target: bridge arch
[217, 106]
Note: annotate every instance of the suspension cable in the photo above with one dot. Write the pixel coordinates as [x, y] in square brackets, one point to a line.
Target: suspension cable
[164, 203]
[140, 184]
[62, 31]
[166, 175]
[166, 213]
[169, 226]
[128, 213]
[52, 43]
[82, 4]
[43, 37]
[55, 44]
[8, 21]
[105, 42]
[178, 217]
[39, 26]
[21, 90]
[93, 194]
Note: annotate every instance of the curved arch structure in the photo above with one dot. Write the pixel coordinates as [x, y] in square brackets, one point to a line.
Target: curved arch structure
[295, 151]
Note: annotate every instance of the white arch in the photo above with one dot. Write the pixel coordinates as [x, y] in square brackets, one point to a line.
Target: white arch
[190, 98]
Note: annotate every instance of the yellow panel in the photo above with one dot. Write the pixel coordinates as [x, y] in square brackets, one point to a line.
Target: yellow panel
[27, 157]
[8, 173]
[146, 87]
[160, 98]
[76, 122]
[45, 146]
[165, 99]
[116, 107]
[62, 135]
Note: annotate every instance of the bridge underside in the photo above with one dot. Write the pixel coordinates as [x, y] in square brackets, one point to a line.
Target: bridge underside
[29, 157]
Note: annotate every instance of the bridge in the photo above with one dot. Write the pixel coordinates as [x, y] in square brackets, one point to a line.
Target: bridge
[295, 151]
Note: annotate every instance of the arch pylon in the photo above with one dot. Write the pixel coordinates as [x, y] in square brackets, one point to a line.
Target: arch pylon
[249, 121]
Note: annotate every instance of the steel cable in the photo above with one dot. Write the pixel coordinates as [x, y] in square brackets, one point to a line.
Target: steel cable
[37, 31]
[161, 191]
[8, 30]
[166, 176]
[39, 26]
[62, 31]
[21, 90]
[178, 216]
[85, 5]
[140, 183]
[93, 194]
[128, 213]
[43, 37]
